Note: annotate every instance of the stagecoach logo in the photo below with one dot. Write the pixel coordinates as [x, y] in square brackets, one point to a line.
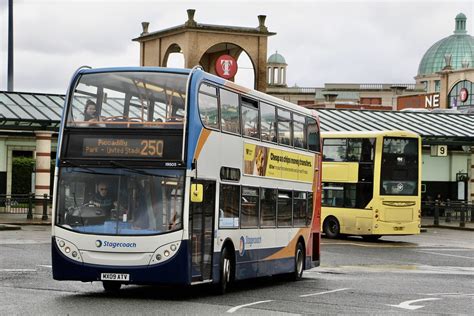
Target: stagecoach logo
[250, 241]
[226, 67]
[242, 246]
[99, 243]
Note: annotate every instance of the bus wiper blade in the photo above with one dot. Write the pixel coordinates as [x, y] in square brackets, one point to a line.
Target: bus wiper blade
[72, 164]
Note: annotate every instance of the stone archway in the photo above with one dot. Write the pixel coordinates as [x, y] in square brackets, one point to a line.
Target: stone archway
[201, 43]
[172, 49]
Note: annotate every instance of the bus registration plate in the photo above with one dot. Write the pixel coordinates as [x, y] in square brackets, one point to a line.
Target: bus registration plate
[115, 277]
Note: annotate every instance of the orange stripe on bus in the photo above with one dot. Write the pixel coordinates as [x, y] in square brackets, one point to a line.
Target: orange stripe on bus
[202, 140]
[289, 250]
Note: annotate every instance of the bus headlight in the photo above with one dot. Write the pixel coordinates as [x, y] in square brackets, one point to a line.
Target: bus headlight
[165, 252]
[68, 249]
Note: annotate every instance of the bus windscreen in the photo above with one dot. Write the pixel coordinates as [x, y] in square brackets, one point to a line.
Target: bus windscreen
[120, 201]
[128, 100]
[399, 172]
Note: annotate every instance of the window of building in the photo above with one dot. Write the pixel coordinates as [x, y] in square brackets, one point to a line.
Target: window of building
[284, 211]
[284, 127]
[250, 124]
[249, 207]
[370, 100]
[437, 85]
[208, 106]
[268, 202]
[268, 122]
[230, 116]
[229, 206]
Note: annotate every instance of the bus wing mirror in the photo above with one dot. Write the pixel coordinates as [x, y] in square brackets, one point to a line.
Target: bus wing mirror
[196, 193]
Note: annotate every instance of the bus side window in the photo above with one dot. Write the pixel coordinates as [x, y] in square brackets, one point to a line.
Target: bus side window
[284, 127]
[354, 149]
[249, 207]
[208, 106]
[268, 201]
[299, 128]
[334, 149]
[230, 114]
[268, 122]
[229, 206]
[313, 136]
[299, 209]
[250, 123]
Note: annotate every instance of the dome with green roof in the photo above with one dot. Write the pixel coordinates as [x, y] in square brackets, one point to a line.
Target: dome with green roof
[276, 59]
[460, 46]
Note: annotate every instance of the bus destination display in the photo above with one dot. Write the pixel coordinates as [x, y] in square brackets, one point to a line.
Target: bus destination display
[128, 147]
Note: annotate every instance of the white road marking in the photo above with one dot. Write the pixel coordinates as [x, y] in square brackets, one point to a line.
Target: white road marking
[17, 270]
[444, 254]
[45, 266]
[361, 244]
[406, 304]
[233, 309]
[447, 294]
[326, 292]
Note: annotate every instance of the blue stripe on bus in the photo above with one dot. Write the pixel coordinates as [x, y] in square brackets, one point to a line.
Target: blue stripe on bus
[174, 271]
[195, 125]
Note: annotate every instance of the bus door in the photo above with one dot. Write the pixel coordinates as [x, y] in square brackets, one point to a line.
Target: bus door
[201, 216]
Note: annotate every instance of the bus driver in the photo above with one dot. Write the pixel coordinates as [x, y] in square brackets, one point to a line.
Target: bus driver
[102, 198]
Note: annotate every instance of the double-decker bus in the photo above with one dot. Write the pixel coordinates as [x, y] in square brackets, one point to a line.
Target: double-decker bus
[175, 176]
[371, 184]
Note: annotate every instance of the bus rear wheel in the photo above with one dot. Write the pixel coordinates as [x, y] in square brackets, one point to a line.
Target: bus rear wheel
[111, 286]
[225, 271]
[331, 227]
[299, 262]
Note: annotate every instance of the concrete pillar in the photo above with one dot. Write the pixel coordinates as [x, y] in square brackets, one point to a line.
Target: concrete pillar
[43, 167]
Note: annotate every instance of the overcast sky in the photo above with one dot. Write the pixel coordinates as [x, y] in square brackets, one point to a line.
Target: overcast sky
[322, 41]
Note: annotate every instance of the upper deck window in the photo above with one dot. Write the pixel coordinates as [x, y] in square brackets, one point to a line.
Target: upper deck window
[268, 122]
[128, 100]
[230, 116]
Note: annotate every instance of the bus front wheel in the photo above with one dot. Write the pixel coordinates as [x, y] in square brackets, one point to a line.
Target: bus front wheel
[225, 271]
[331, 227]
[111, 286]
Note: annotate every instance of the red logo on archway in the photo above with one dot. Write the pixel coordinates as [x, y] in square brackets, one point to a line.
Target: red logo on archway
[463, 95]
[226, 66]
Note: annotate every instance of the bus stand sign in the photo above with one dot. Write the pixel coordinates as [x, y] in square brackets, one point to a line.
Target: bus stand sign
[439, 150]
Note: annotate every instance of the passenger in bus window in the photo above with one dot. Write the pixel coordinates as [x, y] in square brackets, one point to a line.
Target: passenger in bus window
[90, 111]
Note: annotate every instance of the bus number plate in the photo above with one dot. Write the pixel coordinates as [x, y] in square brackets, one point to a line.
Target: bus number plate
[115, 277]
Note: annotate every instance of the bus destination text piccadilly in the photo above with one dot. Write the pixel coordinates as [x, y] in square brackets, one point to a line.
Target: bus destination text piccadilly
[101, 147]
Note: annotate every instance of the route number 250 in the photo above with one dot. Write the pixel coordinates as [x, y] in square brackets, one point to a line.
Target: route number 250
[151, 147]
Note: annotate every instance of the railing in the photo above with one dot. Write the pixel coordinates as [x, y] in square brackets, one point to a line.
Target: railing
[449, 212]
[24, 204]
